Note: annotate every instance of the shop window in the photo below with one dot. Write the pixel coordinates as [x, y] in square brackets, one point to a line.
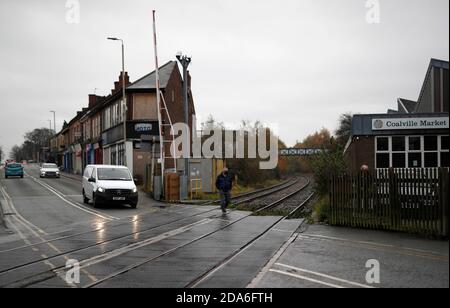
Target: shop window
[415, 160]
[415, 143]
[383, 160]
[431, 143]
[431, 159]
[398, 160]
[398, 144]
[444, 159]
[382, 144]
[444, 143]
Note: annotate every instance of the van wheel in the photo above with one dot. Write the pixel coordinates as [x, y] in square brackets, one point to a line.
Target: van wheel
[95, 202]
[134, 205]
[6, 176]
[85, 199]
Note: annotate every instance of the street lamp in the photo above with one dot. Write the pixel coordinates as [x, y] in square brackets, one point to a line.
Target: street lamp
[185, 61]
[124, 99]
[54, 121]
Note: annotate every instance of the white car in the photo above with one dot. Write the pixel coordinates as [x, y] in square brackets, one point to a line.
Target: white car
[49, 170]
[109, 184]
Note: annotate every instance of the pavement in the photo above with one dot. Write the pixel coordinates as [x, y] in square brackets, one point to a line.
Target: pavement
[334, 257]
[189, 246]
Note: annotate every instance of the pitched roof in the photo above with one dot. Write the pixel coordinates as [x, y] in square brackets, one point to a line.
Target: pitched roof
[407, 105]
[149, 81]
[433, 63]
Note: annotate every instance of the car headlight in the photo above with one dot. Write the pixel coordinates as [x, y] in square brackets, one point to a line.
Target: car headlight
[134, 190]
[101, 189]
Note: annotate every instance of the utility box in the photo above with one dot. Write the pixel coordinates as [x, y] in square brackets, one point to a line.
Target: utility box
[172, 187]
[203, 171]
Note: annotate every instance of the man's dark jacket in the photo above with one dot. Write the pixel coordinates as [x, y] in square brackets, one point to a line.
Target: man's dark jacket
[224, 183]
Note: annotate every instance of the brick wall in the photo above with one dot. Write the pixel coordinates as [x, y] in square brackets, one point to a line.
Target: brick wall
[361, 152]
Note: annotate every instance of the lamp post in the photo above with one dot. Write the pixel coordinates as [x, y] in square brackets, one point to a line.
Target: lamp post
[54, 121]
[185, 61]
[124, 99]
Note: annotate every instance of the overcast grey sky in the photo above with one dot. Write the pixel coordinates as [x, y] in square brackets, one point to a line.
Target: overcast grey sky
[296, 63]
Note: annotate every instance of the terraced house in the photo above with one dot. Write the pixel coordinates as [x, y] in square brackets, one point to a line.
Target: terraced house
[96, 134]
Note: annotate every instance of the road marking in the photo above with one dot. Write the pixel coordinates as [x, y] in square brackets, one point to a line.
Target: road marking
[28, 225]
[383, 247]
[82, 208]
[278, 254]
[308, 279]
[10, 203]
[325, 276]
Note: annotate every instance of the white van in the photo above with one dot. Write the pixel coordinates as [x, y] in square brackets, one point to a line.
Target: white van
[109, 184]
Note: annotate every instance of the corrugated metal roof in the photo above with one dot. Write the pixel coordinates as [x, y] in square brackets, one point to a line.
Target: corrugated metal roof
[149, 81]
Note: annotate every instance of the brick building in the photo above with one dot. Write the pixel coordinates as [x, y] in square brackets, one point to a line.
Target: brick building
[96, 134]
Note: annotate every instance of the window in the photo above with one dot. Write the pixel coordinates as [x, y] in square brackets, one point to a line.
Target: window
[444, 152]
[398, 144]
[113, 155]
[383, 160]
[382, 144]
[431, 143]
[431, 151]
[88, 172]
[382, 155]
[121, 154]
[398, 152]
[412, 151]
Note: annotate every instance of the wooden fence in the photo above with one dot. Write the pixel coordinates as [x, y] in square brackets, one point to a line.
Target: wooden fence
[410, 200]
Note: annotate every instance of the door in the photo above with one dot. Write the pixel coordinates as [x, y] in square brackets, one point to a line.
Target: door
[88, 186]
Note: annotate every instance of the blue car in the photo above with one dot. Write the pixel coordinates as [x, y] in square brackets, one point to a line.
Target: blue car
[13, 169]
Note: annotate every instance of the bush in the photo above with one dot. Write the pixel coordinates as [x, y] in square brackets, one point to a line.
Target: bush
[322, 209]
[324, 165]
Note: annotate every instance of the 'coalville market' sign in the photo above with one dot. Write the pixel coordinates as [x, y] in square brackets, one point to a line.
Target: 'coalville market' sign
[410, 123]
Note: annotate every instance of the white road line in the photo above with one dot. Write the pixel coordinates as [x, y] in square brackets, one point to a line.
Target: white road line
[254, 283]
[412, 251]
[325, 276]
[82, 208]
[308, 279]
[10, 203]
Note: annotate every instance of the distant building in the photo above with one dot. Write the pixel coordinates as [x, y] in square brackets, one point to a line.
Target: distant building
[414, 136]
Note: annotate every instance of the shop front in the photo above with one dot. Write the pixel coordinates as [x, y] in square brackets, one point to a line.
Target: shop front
[399, 141]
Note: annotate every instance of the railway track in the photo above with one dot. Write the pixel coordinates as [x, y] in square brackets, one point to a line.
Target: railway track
[266, 191]
[282, 193]
[283, 201]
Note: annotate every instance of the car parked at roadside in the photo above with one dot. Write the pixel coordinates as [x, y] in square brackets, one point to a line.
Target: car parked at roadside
[103, 184]
[49, 170]
[14, 170]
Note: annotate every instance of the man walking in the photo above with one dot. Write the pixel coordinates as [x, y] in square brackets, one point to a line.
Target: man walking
[224, 184]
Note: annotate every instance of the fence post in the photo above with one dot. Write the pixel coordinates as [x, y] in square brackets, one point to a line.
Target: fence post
[443, 175]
